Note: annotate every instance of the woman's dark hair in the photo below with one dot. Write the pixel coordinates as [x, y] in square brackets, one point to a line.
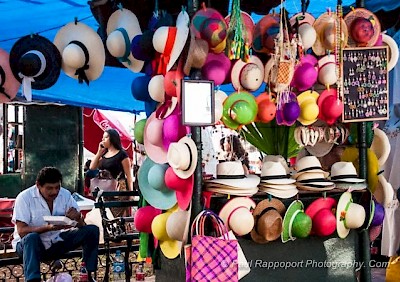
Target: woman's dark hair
[237, 148]
[48, 174]
[115, 140]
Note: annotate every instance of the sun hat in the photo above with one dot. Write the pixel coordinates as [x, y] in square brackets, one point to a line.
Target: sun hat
[153, 139]
[182, 25]
[308, 107]
[152, 185]
[237, 215]
[305, 29]
[240, 108]
[305, 76]
[82, 51]
[172, 129]
[9, 85]
[177, 226]
[277, 158]
[393, 51]
[267, 221]
[122, 27]
[247, 75]
[309, 164]
[182, 187]
[321, 213]
[156, 88]
[248, 24]
[140, 88]
[230, 190]
[296, 223]
[138, 130]
[35, 62]
[197, 54]
[349, 215]
[220, 97]
[345, 172]
[172, 83]
[142, 46]
[266, 108]
[327, 70]
[380, 145]
[216, 67]
[356, 21]
[275, 173]
[143, 218]
[265, 33]
[182, 157]
[384, 191]
[318, 178]
[287, 109]
[330, 106]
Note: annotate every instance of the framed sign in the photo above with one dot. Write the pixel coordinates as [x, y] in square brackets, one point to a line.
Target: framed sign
[365, 90]
[198, 102]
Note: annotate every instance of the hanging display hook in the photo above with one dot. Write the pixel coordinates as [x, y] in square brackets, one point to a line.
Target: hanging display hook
[304, 6]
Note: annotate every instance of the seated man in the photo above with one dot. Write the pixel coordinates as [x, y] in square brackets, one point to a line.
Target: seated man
[35, 240]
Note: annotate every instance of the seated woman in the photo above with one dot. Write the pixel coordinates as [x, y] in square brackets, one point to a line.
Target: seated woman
[232, 150]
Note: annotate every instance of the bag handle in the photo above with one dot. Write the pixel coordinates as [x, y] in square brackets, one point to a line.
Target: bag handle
[218, 224]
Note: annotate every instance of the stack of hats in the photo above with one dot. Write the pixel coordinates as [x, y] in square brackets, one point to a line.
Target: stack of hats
[232, 180]
[310, 176]
[344, 174]
[276, 181]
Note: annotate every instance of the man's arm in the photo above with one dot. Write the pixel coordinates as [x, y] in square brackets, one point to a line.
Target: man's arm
[24, 229]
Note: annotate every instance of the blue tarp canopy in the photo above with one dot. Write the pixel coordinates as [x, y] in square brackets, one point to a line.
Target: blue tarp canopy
[112, 91]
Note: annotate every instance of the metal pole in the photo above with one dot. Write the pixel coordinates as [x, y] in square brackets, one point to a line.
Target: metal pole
[198, 177]
[80, 152]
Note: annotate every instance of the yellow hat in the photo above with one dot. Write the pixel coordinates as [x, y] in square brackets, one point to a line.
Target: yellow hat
[309, 109]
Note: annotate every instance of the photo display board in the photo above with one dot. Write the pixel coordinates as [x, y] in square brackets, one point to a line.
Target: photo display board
[365, 91]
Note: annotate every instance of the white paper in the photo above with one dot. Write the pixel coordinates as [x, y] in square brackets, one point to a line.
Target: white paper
[59, 220]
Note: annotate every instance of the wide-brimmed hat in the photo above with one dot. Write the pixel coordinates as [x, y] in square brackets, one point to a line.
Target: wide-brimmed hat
[197, 54]
[220, 97]
[380, 146]
[321, 213]
[231, 173]
[183, 187]
[173, 129]
[345, 172]
[265, 33]
[35, 62]
[325, 27]
[142, 46]
[314, 181]
[309, 109]
[360, 34]
[236, 214]
[182, 157]
[309, 164]
[172, 83]
[330, 106]
[248, 24]
[384, 191]
[177, 226]
[349, 215]
[230, 190]
[287, 109]
[140, 88]
[9, 85]
[266, 108]
[240, 108]
[327, 70]
[182, 32]
[138, 130]
[151, 177]
[393, 51]
[122, 27]
[82, 50]
[305, 29]
[282, 191]
[296, 223]
[216, 67]
[247, 75]
[275, 173]
[156, 88]
[267, 221]
[153, 145]
[143, 218]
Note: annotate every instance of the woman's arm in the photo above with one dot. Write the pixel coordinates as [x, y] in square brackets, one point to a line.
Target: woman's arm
[126, 164]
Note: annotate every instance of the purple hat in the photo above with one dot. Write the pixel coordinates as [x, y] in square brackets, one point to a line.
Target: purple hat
[139, 88]
[142, 46]
[216, 68]
[288, 109]
[173, 130]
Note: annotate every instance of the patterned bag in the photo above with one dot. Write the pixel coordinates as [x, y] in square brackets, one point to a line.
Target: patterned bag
[212, 259]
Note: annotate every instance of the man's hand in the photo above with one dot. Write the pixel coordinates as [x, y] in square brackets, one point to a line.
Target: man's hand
[73, 214]
[52, 227]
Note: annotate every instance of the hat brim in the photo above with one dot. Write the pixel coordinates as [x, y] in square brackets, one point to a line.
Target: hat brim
[282, 194]
[326, 174]
[227, 191]
[185, 195]
[237, 70]
[384, 192]
[290, 212]
[193, 152]
[232, 204]
[277, 186]
[342, 231]
[380, 146]
[165, 199]
[320, 149]
[363, 13]
[180, 39]
[279, 181]
[351, 186]
[11, 84]
[228, 103]
[260, 31]
[249, 182]
[157, 153]
[315, 187]
[305, 18]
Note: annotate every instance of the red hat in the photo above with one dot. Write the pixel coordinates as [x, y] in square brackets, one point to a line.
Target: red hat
[323, 219]
[182, 187]
[330, 106]
[143, 218]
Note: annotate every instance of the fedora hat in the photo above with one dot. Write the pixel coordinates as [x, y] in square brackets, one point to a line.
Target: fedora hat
[296, 223]
[266, 108]
[304, 23]
[216, 67]
[327, 70]
[236, 214]
[309, 164]
[275, 173]
[231, 173]
[267, 221]
[247, 75]
[230, 190]
[173, 129]
[277, 158]
[345, 172]
[197, 54]
[325, 27]
[380, 146]
[122, 27]
[265, 33]
[9, 85]
[308, 107]
[321, 214]
[183, 187]
[349, 215]
[151, 177]
[364, 27]
[315, 177]
[82, 51]
[240, 108]
[330, 106]
[182, 157]
[35, 62]
[143, 218]
[152, 136]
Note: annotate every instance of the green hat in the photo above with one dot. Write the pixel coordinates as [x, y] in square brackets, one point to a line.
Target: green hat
[240, 108]
[296, 224]
[138, 130]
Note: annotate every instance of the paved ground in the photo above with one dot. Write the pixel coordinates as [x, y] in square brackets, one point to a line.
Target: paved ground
[378, 274]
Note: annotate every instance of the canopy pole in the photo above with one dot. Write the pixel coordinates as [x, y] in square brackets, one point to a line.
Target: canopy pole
[198, 174]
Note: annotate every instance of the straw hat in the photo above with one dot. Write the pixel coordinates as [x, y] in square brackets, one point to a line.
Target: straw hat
[156, 88]
[265, 33]
[182, 25]
[182, 157]
[82, 51]
[384, 192]
[143, 218]
[349, 215]
[282, 192]
[220, 97]
[240, 108]
[309, 164]
[268, 224]
[122, 27]
[247, 75]
[305, 28]
[197, 54]
[182, 187]
[236, 214]
[308, 107]
[296, 223]
[345, 172]
[177, 226]
[275, 173]
[321, 213]
[380, 146]
[153, 139]
[364, 27]
[327, 70]
[393, 51]
[9, 85]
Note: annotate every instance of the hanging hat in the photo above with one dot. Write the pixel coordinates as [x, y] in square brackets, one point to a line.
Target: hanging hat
[265, 33]
[247, 75]
[248, 24]
[304, 77]
[236, 214]
[309, 164]
[296, 223]
[153, 139]
[156, 88]
[140, 88]
[327, 70]
[287, 109]
[380, 146]
[322, 216]
[275, 173]
[330, 106]
[345, 172]
[152, 185]
[305, 29]
[325, 27]
[9, 85]
[266, 108]
[267, 221]
[384, 191]
[182, 32]
[35, 62]
[172, 83]
[240, 108]
[393, 51]
[138, 130]
[220, 97]
[122, 27]
[142, 46]
[82, 51]
[308, 107]
[182, 186]
[197, 54]
[177, 226]
[143, 218]
[216, 67]
[182, 157]
[349, 215]
[173, 130]
[364, 27]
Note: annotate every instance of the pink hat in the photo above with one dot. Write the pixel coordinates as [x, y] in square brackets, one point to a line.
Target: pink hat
[330, 106]
[216, 68]
[143, 218]
[323, 219]
[153, 139]
[182, 187]
[247, 75]
[172, 129]
[8, 84]
[305, 75]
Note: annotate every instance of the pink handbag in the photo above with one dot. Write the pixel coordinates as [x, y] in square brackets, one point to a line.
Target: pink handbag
[212, 259]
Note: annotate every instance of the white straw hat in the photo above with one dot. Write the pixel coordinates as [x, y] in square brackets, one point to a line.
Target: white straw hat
[349, 215]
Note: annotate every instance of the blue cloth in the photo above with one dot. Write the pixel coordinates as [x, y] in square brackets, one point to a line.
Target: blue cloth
[32, 250]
